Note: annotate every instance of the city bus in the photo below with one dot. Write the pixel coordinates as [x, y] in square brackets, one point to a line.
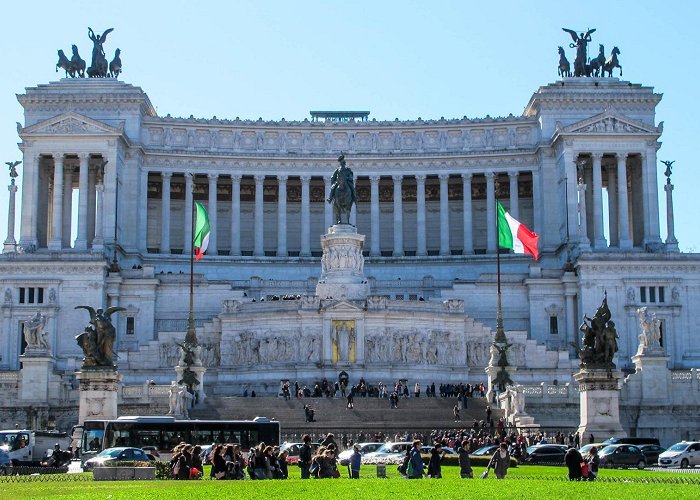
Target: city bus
[164, 433]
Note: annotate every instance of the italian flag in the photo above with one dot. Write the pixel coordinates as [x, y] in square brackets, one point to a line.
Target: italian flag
[201, 231]
[514, 235]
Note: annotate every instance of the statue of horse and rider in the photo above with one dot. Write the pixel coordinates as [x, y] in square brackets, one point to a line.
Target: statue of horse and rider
[342, 194]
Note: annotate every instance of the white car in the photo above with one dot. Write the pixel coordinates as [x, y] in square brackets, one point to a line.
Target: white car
[683, 454]
[388, 453]
[364, 448]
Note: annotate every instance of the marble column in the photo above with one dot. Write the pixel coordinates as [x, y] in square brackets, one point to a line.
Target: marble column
[570, 190]
[538, 203]
[375, 249]
[99, 240]
[582, 220]
[56, 241]
[513, 208]
[421, 244]
[398, 216]
[165, 213]
[444, 215]
[468, 245]
[613, 236]
[189, 214]
[671, 241]
[305, 216]
[282, 216]
[30, 200]
[491, 242]
[92, 201]
[328, 208]
[259, 216]
[10, 242]
[67, 205]
[81, 240]
[213, 212]
[570, 287]
[650, 189]
[625, 242]
[599, 241]
[143, 211]
[236, 214]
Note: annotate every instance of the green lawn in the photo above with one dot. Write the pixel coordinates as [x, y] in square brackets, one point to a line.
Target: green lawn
[520, 483]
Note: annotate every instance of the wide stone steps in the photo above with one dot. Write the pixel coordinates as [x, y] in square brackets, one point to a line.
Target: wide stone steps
[332, 415]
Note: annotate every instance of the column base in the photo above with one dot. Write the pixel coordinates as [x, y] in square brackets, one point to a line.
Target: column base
[55, 246]
[672, 245]
[80, 245]
[9, 246]
[600, 244]
[625, 245]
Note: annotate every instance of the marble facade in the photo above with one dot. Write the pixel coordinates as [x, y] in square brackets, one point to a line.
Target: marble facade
[582, 150]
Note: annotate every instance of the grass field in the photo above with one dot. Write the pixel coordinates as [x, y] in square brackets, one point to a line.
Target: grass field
[522, 482]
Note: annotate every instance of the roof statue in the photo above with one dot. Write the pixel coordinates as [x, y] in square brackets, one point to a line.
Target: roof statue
[583, 65]
[76, 67]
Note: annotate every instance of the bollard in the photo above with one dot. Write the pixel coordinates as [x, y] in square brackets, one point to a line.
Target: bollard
[381, 470]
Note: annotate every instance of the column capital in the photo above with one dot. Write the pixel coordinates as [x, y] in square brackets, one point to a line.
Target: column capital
[166, 175]
[420, 178]
[443, 177]
[236, 178]
[374, 179]
[84, 156]
[259, 178]
[467, 177]
[398, 179]
[58, 156]
[99, 187]
[513, 175]
[282, 179]
[305, 179]
[490, 175]
[212, 177]
[597, 157]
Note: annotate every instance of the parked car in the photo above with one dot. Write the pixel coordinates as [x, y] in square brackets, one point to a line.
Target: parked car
[637, 441]
[426, 450]
[683, 454]
[5, 462]
[364, 449]
[116, 455]
[586, 449]
[389, 452]
[292, 450]
[652, 452]
[622, 455]
[546, 453]
[485, 450]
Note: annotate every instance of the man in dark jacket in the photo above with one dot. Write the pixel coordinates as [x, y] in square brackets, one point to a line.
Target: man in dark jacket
[416, 461]
[305, 454]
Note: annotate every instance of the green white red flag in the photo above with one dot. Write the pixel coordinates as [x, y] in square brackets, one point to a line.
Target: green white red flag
[201, 231]
[514, 235]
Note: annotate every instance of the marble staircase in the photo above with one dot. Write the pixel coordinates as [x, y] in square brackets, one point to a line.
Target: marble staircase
[332, 415]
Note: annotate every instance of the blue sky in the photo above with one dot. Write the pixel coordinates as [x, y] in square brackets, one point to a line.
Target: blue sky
[397, 59]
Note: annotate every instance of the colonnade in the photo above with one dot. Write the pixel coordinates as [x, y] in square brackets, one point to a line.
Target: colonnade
[423, 220]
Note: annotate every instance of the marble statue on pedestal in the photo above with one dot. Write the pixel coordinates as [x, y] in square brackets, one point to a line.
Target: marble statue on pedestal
[35, 334]
[650, 336]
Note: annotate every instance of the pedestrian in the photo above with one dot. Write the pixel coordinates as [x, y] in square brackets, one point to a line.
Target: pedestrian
[488, 413]
[573, 461]
[593, 461]
[416, 390]
[500, 461]
[455, 411]
[434, 468]
[350, 404]
[415, 462]
[355, 462]
[305, 455]
[465, 465]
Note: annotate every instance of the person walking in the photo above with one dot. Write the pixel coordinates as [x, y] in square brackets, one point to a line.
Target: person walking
[500, 461]
[455, 411]
[355, 462]
[434, 468]
[415, 462]
[465, 465]
[350, 398]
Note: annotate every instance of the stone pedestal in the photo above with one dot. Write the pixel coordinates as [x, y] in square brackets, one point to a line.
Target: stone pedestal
[342, 265]
[36, 372]
[652, 375]
[600, 403]
[98, 393]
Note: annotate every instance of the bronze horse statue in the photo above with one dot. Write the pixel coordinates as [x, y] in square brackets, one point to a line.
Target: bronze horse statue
[115, 66]
[564, 66]
[77, 64]
[598, 62]
[63, 62]
[612, 62]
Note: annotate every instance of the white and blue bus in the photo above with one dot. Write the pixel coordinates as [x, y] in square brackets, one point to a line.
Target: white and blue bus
[164, 433]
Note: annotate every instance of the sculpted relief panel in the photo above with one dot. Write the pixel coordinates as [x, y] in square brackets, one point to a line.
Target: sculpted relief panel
[411, 346]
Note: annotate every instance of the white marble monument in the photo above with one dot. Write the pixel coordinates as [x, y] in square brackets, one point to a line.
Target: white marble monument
[599, 391]
[342, 265]
[98, 393]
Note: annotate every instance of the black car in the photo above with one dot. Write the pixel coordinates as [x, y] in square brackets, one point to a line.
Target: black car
[546, 453]
[652, 452]
[622, 455]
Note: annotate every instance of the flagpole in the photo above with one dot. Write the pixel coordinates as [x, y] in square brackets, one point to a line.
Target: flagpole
[500, 334]
[191, 335]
